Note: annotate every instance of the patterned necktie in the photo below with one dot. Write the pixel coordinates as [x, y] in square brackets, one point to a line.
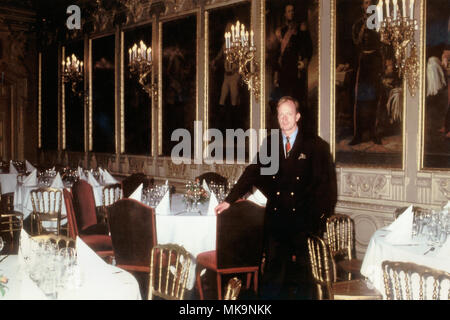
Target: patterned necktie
[288, 146]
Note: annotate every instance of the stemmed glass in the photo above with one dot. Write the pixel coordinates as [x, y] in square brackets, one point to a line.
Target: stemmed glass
[2, 244]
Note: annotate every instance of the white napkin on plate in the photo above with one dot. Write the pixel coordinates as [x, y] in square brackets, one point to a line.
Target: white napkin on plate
[81, 174]
[31, 180]
[25, 245]
[108, 178]
[57, 182]
[401, 228]
[92, 181]
[205, 186]
[12, 169]
[163, 208]
[137, 194]
[29, 166]
[257, 197]
[213, 202]
[86, 257]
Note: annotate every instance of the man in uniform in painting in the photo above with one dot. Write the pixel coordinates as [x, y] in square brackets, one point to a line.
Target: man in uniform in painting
[300, 196]
[367, 87]
[294, 53]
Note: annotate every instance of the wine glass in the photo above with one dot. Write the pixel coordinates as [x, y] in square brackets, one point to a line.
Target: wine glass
[2, 244]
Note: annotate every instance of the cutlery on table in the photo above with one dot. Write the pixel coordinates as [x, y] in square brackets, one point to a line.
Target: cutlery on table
[431, 249]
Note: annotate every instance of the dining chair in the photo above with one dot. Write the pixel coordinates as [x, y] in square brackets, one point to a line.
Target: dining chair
[233, 289]
[47, 204]
[129, 184]
[340, 238]
[100, 243]
[322, 268]
[60, 240]
[110, 194]
[212, 177]
[410, 281]
[170, 266]
[239, 244]
[85, 212]
[11, 221]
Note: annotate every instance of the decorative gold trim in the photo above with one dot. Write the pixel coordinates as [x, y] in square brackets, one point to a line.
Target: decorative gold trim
[90, 97]
[63, 103]
[122, 94]
[206, 82]
[319, 69]
[160, 93]
[40, 100]
[332, 78]
[262, 73]
[422, 85]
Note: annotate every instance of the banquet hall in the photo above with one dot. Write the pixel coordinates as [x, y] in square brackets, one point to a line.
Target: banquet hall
[125, 124]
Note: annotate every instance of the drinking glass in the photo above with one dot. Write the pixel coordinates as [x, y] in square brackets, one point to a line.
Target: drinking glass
[2, 244]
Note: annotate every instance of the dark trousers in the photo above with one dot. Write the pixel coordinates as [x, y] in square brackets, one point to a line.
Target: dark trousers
[284, 278]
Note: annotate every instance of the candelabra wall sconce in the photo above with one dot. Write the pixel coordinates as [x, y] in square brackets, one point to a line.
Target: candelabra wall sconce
[140, 64]
[73, 72]
[398, 29]
[240, 50]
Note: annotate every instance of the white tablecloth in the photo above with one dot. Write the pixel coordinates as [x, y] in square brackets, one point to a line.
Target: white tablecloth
[8, 182]
[100, 282]
[380, 250]
[195, 232]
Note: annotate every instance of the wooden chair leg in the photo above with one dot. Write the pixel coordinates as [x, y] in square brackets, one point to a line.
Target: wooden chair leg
[249, 279]
[199, 284]
[255, 282]
[219, 285]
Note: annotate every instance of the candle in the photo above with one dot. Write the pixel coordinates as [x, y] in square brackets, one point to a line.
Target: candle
[129, 54]
[251, 38]
[81, 66]
[226, 40]
[149, 54]
[232, 32]
[404, 8]
[246, 37]
[237, 29]
[388, 12]
[411, 8]
[380, 12]
[394, 4]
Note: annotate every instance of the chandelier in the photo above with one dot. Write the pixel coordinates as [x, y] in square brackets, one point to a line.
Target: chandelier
[140, 63]
[397, 29]
[72, 71]
[240, 50]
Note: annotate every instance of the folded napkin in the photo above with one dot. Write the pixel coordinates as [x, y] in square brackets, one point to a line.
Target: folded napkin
[447, 206]
[12, 169]
[205, 186]
[213, 203]
[257, 197]
[137, 194]
[57, 182]
[81, 174]
[29, 166]
[92, 181]
[107, 177]
[163, 208]
[31, 180]
[86, 257]
[25, 245]
[401, 228]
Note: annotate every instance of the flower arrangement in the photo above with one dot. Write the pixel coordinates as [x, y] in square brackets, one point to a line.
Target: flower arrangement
[3, 286]
[195, 193]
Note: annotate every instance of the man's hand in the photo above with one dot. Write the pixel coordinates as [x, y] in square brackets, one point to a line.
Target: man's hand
[221, 207]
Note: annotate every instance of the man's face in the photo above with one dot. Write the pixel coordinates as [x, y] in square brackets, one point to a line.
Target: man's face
[287, 116]
[289, 12]
[366, 4]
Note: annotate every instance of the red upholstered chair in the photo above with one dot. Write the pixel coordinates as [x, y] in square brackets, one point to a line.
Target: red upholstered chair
[133, 234]
[100, 243]
[84, 206]
[239, 244]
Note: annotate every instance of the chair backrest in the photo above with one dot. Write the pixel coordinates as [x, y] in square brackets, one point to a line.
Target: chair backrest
[84, 204]
[111, 194]
[46, 201]
[129, 184]
[133, 231]
[212, 177]
[233, 289]
[340, 235]
[169, 271]
[60, 240]
[410, 281]
[321, 266]
[239, 236]
[71, 218]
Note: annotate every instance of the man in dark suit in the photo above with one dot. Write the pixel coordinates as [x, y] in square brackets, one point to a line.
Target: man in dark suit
[300, 196]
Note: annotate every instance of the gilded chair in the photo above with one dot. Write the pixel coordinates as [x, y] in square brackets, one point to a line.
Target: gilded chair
[110, 194]
[170, 266]
[340, 239]
[60, 240]
[47, 204]
[410, 281]
[323, 272]
[11, 222]
[100, 243]
[239, 244]
[233, 289]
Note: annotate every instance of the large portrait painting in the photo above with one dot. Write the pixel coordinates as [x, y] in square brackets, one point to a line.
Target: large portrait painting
[73, 104]
[103, 88]
[138, 115]
[292, 58]
[368, 93]
[229, 98]
[437, 88]
[179, 43]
